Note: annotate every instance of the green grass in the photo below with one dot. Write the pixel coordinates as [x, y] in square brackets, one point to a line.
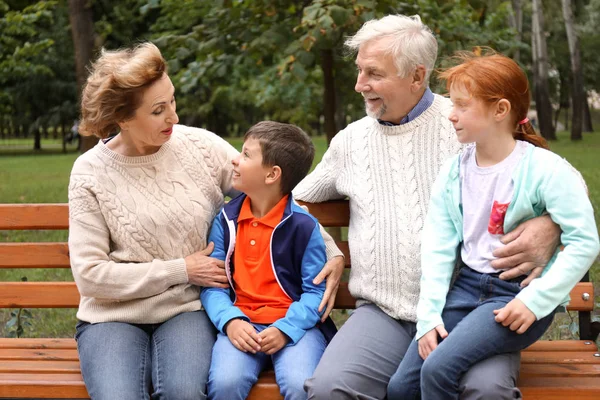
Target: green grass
[43, 178]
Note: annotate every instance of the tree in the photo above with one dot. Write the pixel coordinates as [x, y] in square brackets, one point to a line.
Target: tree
[540, 72]
[577, 91]
[82, 30]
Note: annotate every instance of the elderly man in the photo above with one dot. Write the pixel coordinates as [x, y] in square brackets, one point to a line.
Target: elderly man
[386, 163]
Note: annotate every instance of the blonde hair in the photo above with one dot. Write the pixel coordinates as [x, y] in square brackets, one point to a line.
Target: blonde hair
[411, 42]
[115, 86]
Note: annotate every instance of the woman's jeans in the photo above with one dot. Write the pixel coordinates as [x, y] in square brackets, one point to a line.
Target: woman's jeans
[125, 361]
[474, 335]
[233, 372]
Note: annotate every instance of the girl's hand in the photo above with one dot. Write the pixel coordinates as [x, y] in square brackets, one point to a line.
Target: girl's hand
[243, 336]
[516, 316]
[332, 270]
[206, 271]
[273, 340]
[429, 341]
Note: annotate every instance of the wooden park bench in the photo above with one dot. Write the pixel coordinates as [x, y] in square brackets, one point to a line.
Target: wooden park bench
[49, 368]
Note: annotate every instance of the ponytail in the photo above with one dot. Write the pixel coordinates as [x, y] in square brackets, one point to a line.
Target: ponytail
[526, 133]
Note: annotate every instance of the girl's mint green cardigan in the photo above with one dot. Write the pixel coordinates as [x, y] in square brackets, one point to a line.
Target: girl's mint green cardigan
[543, 183]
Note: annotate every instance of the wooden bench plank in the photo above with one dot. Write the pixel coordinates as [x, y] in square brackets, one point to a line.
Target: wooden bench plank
[34, 255]
[560, 345]
[35, 343]
[43, 386]
[557, 388]
[559, 357]
[39, 354]
[334, 213]
[577, 302]
[39, 366]
[38, 295]
[34, 216]
[560, 370]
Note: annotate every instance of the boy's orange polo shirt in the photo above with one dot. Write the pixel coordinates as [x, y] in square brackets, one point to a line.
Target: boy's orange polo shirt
[259, 296]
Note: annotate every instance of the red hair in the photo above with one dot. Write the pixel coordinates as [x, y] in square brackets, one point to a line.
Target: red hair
[494, 77]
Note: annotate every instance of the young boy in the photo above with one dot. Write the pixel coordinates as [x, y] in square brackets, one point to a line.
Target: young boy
[273, 250]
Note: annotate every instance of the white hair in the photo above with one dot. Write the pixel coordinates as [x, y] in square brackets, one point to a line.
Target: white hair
[412, 42]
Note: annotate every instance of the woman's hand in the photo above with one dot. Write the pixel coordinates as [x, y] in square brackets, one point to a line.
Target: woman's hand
[206, 271]
[332, 273]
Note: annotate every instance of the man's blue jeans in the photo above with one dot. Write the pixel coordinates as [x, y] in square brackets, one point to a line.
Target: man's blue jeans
[123, 361]
[233, 372]
[474, 335]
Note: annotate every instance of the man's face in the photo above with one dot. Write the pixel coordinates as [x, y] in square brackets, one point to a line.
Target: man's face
[387, 96]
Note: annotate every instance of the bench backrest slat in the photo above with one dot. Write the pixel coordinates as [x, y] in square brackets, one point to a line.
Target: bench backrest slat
[38, 295]
[34, 255]
[34, 216]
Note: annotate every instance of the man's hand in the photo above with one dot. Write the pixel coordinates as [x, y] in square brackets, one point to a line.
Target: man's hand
[273, 340]
[203, 270]
[243, 336]
[516, 316]
[429, 341]
[332, 273]
[529, 247]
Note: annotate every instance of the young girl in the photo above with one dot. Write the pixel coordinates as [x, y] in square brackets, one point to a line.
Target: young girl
[481, 194]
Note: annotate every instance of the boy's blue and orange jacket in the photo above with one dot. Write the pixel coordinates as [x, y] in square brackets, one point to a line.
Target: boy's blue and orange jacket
[297, 256]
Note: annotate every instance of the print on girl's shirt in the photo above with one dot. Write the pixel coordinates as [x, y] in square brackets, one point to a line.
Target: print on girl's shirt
[496, 223]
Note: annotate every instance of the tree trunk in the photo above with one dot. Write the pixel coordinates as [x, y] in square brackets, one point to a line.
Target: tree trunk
[517, 22]
[328, 94]
[587, 116]
[540, 72]
[82, 31]
[37, 139]
[578, 94]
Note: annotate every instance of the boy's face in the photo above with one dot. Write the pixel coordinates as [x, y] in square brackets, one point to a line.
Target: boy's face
[248, 172]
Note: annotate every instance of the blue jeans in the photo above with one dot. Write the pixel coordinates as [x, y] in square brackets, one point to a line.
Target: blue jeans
[233, 372]
[474, 335]
[124, 361]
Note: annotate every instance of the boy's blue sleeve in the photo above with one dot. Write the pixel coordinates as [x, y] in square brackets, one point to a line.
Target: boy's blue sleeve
[566, 201]
[302, 314]
[216, 301]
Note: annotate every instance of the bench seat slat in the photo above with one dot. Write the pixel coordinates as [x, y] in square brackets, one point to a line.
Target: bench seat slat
[559, 370]
[34, 216]
[560, 388]
[559, 345]
[38, 295]
[34, 255]
[42, 386]
[25, 343]
[559, 357]
[39, 354]
[40, 366]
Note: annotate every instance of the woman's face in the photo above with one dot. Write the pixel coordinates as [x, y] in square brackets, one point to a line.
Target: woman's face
[152, 123]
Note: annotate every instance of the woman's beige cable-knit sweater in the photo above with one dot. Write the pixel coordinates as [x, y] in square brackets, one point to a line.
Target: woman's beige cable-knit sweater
[134, 219]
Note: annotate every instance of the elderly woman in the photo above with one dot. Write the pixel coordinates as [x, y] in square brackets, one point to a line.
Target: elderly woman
[141, 203]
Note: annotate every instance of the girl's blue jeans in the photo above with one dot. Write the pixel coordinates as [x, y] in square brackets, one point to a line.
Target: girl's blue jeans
[474, 335]
[124, 361]
[233, 372]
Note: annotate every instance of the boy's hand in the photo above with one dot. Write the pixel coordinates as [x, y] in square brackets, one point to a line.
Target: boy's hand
[243, 336]
[273, 340]
[429, 341]
[516, 316]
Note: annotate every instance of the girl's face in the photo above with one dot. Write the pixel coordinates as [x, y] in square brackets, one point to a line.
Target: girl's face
[152, 123]
[472, 118]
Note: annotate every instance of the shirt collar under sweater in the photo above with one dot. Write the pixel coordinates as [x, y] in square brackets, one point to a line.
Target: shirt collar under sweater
[421, 106]
[439, 105]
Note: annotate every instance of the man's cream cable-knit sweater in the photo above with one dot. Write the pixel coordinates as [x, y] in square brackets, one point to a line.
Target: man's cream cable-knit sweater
[134, 219]
[387, 173]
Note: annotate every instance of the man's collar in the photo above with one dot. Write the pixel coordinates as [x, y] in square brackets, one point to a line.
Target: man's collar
[422, 105]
